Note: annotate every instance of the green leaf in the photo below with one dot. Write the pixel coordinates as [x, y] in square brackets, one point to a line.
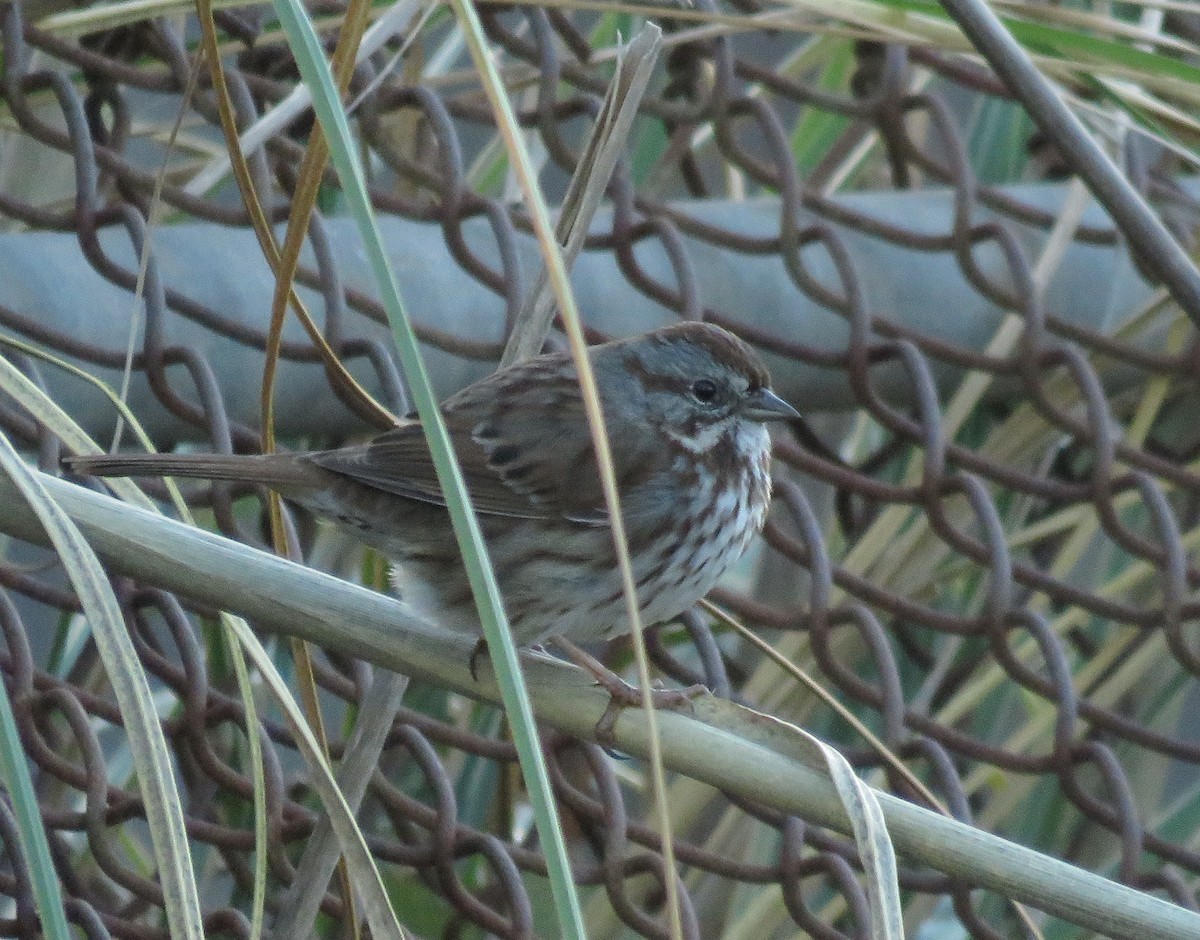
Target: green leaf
[35, 850]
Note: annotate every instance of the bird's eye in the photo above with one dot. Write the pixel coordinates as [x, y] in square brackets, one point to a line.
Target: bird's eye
[704, 390]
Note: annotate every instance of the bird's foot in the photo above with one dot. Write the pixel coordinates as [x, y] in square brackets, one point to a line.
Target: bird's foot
[479, 653]
[622, 695]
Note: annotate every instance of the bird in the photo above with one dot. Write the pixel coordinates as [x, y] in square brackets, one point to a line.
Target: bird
[686, 408]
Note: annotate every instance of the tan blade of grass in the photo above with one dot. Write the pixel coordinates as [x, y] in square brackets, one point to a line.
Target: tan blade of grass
[147, 745]
[299, 100]
[875, 553]
[300, 905]
[46, 411]
[481, 54]
[283, 267]
[304, 198]
[51, 416]
[262, 229]
[851, 719]
[605, 143]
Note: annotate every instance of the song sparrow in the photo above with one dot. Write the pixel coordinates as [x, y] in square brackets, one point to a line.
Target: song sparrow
[684, 406]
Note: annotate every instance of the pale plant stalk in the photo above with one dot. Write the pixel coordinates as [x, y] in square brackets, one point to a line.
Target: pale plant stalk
[557, 274]
[759, 761]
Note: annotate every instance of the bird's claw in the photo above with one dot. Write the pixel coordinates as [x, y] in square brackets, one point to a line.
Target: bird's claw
[622, 695]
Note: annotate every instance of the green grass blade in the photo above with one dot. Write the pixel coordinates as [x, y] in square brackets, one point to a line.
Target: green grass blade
[1076, 45]
[14, 773]
[314, 70]
[817, 129]
[556, 271]
[246, 690]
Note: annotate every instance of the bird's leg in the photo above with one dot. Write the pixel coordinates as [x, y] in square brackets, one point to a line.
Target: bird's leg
[481, 648]
[621, 694]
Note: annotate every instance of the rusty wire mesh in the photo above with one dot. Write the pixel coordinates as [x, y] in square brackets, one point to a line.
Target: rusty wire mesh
[897, 653]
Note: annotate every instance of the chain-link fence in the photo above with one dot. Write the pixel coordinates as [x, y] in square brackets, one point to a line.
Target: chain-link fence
[983, 543]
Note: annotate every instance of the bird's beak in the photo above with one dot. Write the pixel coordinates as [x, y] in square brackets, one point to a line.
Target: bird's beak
[764, 405]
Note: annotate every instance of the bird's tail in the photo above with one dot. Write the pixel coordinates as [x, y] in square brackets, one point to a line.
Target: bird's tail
[282, 472]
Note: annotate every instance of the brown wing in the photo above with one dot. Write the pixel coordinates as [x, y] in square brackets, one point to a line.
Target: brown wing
[521, 439]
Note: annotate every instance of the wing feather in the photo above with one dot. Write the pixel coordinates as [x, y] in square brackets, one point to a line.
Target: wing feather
[522, 441]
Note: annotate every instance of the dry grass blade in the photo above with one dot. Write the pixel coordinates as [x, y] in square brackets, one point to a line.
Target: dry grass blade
[151, 757]
[300, 906]
[284, 264]
[874, 845]
[557, 273]
[312, 167]
[862, 730]
[367, 880]
[635, 62]
[823, 694]
[262, 229]
[52, 417]
[299, 99]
